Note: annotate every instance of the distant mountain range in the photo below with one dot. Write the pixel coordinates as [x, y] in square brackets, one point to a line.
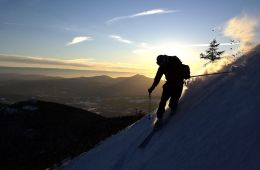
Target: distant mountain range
[38, 85]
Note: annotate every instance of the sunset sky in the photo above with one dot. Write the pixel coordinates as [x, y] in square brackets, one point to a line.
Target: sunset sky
[121, 35]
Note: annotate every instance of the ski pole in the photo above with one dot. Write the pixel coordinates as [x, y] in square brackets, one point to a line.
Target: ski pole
[149, 106]
[226, 72]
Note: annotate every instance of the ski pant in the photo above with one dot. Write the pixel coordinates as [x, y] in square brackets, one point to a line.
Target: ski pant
[172, 91]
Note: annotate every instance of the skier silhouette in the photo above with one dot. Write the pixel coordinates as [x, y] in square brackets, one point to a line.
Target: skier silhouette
[171, 67]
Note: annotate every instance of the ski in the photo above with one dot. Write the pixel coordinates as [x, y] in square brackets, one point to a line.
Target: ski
[148, 137]
[156, 128]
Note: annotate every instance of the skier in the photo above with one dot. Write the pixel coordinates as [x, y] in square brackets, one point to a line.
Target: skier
[171, 67]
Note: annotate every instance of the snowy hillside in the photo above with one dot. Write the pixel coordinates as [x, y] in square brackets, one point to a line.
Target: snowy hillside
[217, 127]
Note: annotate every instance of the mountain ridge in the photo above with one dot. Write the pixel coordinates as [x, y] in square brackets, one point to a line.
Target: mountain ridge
[85, 86]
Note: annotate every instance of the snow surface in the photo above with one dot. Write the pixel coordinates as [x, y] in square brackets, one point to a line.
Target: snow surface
[217, 127]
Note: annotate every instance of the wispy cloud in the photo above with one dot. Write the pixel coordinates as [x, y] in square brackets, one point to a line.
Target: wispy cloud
[171, 48]
[82, 63]
[10, 23]
[77, 40]
[144, 13]
[243, 29]
[41, 61]
[206, 45]
[120, 39]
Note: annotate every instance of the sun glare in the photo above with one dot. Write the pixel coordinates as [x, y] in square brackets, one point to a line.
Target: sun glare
[146, 56]
[188, 55]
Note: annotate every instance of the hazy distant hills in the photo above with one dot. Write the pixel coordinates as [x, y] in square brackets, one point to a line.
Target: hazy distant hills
[132, 86]
[38, 85]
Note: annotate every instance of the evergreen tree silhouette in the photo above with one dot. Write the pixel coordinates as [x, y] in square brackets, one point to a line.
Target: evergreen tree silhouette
[212, 52]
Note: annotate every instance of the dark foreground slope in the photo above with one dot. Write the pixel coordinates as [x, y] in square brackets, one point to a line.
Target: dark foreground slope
[37, 134]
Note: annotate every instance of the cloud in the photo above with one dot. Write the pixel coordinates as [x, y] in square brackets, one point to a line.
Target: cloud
[242, 28]
[39, 60]
[120, 39]
[82, 64]
[144, 13]
[77, 40]
[10, 23]
[207, 45]
[145, 48]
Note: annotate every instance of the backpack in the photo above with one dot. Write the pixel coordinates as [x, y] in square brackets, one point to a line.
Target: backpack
[176, 62]
[185, 71]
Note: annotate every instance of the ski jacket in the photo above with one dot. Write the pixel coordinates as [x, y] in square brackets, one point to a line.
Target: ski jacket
[172, 72]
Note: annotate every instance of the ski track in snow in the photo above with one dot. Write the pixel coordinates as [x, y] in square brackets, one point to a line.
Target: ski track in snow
[216, 127]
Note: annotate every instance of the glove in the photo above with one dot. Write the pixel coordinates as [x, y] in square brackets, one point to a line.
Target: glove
[150, 90]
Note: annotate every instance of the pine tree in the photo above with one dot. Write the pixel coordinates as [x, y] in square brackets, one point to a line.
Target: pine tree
[212, 52]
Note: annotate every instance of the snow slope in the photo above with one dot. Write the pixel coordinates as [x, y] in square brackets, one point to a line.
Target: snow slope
[217, 127]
